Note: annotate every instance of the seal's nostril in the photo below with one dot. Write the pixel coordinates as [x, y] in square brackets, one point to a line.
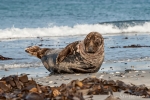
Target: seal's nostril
[90, 49]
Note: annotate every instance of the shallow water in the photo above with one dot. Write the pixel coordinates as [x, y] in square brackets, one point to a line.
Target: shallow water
[14, 48]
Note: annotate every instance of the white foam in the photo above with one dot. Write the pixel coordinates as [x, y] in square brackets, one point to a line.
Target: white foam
[75, 30]
[25, 65]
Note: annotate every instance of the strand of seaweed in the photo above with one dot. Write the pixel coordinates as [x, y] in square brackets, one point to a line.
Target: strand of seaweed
[16, 87]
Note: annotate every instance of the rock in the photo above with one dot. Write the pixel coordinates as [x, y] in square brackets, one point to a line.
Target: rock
[4, 58]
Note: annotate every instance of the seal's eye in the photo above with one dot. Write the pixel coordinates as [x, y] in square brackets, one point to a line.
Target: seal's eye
[97, 43]
[87, 41]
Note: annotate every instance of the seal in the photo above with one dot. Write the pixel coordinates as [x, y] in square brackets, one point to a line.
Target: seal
[78, 57]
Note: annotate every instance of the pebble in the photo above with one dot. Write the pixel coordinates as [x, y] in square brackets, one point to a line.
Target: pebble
[66, 79]
[102, 68]
[132, 66]
[63, 76]
[143, 72]
[101, 76]
[93, 76]
[50, 81]
[6, 69]
[138, 74]
[77, 74]
[55, 83]
[123, 76]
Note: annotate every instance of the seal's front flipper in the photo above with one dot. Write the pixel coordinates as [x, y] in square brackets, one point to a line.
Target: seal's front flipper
[68, 50]
[36, 51]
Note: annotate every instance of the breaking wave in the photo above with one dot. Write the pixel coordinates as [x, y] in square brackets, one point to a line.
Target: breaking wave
[109, 28]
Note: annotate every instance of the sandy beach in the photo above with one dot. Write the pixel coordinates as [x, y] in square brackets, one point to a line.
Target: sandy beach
[132, 77]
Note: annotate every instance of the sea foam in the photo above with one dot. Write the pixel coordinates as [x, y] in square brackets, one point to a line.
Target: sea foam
[80, 29]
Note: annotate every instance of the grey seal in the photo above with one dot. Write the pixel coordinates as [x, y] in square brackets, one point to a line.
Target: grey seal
[78, 57]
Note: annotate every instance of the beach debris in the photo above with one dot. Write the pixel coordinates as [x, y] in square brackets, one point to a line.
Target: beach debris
[4, 58]
[129, 70]
[117, 72]
[135, 46]
[6, 69]
[130, 46]
[121, 75]
[136, 71]
[125, 38]
[40, 45]
[115, 47]
[16, 87]
[102, 68]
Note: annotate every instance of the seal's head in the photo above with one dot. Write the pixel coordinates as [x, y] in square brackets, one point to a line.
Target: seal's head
[92, 42]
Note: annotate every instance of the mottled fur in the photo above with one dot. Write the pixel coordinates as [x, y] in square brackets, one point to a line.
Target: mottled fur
[92, 42]
[36, 51]
[78, 57]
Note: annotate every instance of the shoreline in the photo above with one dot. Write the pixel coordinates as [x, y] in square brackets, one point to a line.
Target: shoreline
[107, 67]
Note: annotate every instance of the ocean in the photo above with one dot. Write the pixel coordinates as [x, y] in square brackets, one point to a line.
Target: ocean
[30, 18]
[55, 23]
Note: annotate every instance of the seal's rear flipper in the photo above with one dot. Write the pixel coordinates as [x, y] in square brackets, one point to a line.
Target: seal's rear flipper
[36, 51]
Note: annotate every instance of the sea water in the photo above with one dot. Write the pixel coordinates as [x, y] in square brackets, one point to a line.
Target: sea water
[55, 23]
